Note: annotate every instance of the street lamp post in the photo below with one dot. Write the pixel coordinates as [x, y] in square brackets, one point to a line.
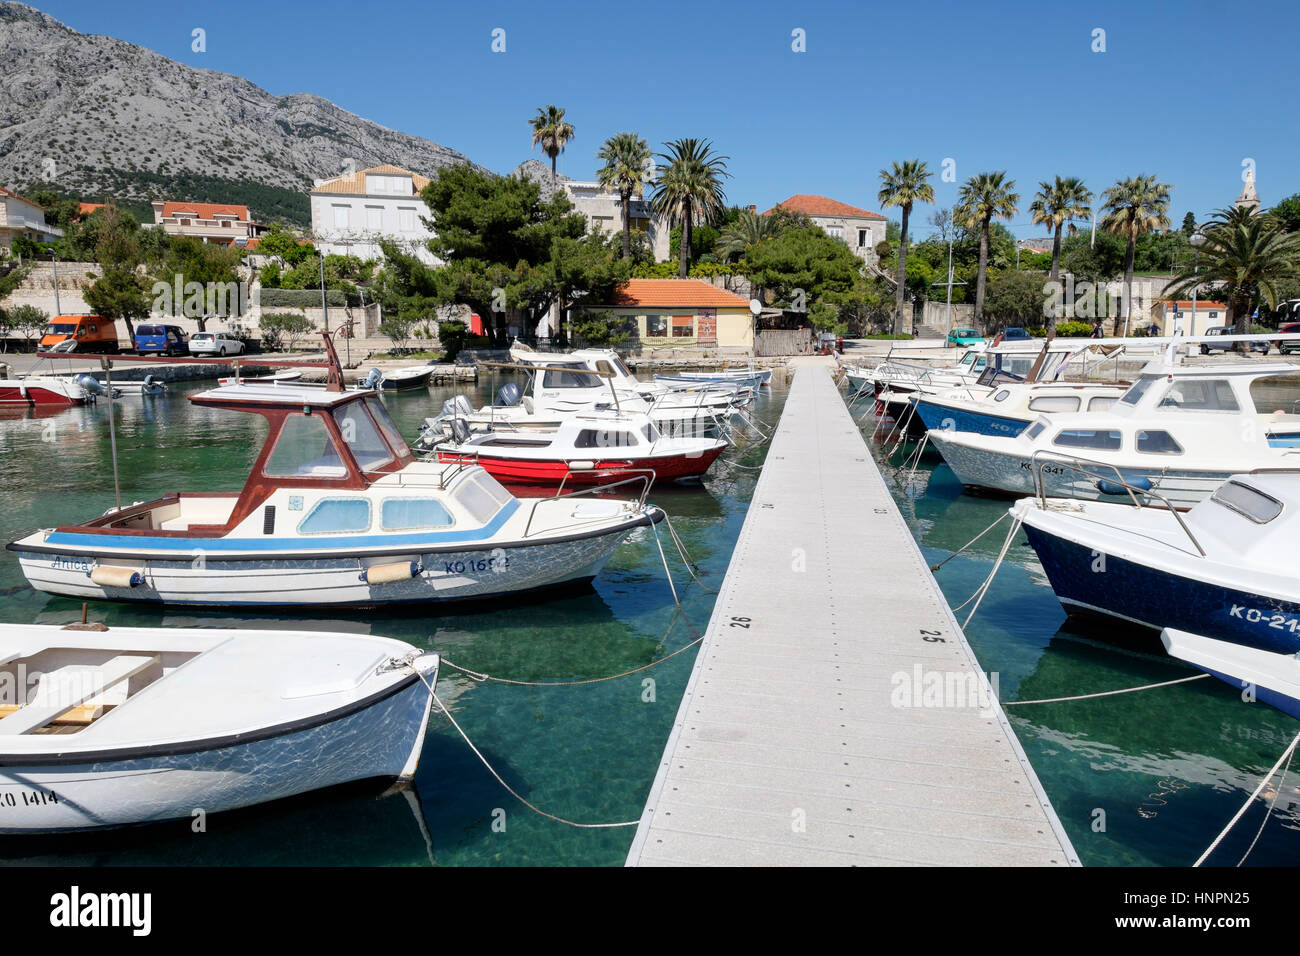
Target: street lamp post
[54, 261]
[1196, 239]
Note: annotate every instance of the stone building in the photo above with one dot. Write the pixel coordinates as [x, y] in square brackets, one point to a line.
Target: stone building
[860, 229]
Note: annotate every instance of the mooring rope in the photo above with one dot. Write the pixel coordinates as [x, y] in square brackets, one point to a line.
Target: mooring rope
[510, 790]
[936, 567]
[984, 588]
[1104, 693]
[1277, 792]
[1286, 756]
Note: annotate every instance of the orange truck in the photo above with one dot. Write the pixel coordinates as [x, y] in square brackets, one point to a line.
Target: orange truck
[79, 333]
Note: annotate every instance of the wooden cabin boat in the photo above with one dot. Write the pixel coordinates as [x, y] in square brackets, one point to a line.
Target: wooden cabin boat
[110, 727]
[584, 450]
[336, 511]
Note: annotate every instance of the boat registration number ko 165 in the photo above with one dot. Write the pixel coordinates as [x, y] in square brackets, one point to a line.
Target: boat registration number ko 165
[1274, 619]
[496, 562]
[26, 797]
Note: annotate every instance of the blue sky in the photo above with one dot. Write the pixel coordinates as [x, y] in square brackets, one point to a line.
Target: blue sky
[1184, 90]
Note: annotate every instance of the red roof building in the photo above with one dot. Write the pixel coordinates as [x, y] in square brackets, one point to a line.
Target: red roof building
[861, 229]
[683, 313]
[220, 223]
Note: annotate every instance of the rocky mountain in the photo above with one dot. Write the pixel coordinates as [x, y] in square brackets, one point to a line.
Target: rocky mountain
[94, 116]
[540, 173]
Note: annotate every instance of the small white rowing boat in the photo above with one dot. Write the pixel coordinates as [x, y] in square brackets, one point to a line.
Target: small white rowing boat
[290, 375]
[108, 727]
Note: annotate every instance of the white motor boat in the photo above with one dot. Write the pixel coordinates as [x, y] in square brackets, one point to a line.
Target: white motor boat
[288, 375]
[1225, 569]
[1178, 430]
[337, 511]
[111, 727]
[1271, 677]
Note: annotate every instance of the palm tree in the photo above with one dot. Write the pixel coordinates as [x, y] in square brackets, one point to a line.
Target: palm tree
[982, 197]
[748, 230]
[690, 190]
[1250, 255]
[1133, 207]
[1055, 204]
[902, 185]
[552, 132]
[627, 161]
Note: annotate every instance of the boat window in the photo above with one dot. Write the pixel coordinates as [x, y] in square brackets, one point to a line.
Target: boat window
[603, 366]
[385, 423]
[1055, 403]
[603, 438]
[1101, 403]
[1158, 443]
[1203, 395]
[362, 436]
[304, 449]
[1087, 438]
[413, 514]
[482, 496]
[1247, 501]
[1136, 391]
[1003, 395]
[618, 364]
[651, 433]
[336, 515]
[968, 358]
[578, 378]
[1034, 430]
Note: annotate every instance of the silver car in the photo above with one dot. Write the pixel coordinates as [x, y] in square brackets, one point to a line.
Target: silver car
[214, 343]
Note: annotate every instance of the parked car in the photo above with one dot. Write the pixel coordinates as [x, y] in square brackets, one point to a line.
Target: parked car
[1206, 347]
[214, 343]
[167, 339]
[1015, 334]
[964, 337]
[1289, 328]
[79, 333]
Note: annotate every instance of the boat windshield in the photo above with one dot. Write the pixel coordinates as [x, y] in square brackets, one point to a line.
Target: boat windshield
[1136, 391]
[304, 449]
[385, 423]
[578, 378]
[362, 436]
[1200, 395]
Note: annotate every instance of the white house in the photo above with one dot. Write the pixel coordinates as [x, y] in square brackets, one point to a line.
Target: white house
[22, 217]
[349, 214]
[604, 211]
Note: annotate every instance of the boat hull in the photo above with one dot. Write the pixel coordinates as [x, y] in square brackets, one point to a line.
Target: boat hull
[1088, 581]
[402, 382]
[1273, 678]
[468, 573]
[936, 415]
[1014, 474]
[34, 394]
[520, 471]
[57, 794]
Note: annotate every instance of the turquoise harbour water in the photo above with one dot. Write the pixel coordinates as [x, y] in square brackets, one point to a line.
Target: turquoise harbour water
[587, 753]
[1141, 779]
[1167, 767]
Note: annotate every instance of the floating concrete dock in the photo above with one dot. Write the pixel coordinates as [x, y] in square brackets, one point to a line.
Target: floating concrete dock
[812, 731]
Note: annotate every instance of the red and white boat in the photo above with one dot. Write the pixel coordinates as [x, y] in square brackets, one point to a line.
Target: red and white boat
[591, 449]
[41, 390]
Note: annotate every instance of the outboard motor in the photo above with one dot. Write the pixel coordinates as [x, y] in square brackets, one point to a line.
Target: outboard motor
[508, 395]
[460, 430]
[372, 379]
[91, 384]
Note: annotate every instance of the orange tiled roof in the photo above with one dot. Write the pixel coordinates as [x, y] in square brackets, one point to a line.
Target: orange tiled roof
[823, 206]
[1182, 304]
[354, 184]
[676, 293]
[204, 210]
[85, 208]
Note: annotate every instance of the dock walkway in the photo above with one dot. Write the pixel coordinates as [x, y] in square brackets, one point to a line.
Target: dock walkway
[792, 744]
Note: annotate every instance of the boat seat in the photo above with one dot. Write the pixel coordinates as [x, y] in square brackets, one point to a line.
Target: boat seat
[84, 683]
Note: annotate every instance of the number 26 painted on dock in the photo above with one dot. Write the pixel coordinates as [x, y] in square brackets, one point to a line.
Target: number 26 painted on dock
[739, 622]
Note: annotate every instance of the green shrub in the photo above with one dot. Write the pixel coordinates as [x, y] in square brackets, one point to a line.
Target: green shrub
[1073, 330]
[300, 298]
[282, 330]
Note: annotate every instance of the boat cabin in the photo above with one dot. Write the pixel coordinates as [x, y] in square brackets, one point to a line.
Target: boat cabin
[318, 439]
[1175, 410]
